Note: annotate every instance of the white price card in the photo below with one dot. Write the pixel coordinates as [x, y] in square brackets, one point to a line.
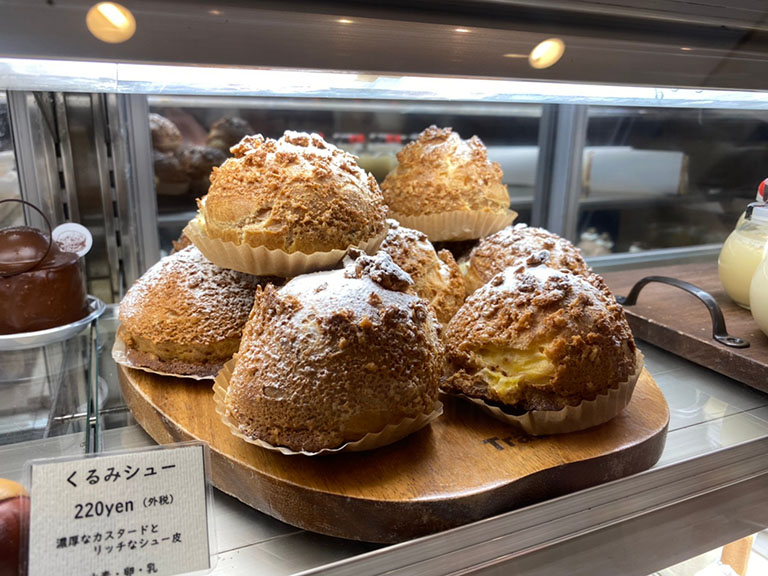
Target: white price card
[129, 514]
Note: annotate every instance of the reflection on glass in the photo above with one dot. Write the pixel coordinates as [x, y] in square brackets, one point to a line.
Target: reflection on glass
[10, 212]
[547, 53]
[661, 178]
[41, 387]
[191, 135]
[110, 22]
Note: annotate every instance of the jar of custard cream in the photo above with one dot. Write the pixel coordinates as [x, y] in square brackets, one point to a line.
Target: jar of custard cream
[758, 295]
[742, 252]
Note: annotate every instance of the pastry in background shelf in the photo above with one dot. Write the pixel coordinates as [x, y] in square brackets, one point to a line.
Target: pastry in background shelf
[288, 206]
[182, 242]
[198, 161]
[436, 276]
[170, 177]
[512, 246]
[447, 188]
[547, 349]
[184, 316]
[165, 135]
[227, 132]
[333, 357]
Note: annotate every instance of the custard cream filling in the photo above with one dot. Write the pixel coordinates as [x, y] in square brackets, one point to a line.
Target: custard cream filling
[508, 372]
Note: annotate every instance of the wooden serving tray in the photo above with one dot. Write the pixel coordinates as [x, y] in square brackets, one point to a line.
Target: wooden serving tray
[463, 467]
[677, 322]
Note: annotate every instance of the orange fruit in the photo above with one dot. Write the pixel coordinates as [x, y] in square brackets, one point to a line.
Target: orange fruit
[9, 489]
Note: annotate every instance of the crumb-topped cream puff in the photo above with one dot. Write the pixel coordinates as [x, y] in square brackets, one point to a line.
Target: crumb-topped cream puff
[334, 356]
[514, 245]
[185, 315]
[297, 195]
[538, 339]
[436, 276]
[447, 188]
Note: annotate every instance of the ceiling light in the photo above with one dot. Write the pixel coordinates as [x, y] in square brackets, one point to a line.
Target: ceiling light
[110, 22]
[345, 21]
[512, 55]
[546, 53]
[461, 30]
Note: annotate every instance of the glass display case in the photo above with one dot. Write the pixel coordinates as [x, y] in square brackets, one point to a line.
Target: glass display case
[642, 145]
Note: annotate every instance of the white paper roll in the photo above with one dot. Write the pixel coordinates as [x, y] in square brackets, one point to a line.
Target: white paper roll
[607, 170]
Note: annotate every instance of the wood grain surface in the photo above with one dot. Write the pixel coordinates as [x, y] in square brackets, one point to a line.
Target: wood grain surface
[463, 467]
[678, 322]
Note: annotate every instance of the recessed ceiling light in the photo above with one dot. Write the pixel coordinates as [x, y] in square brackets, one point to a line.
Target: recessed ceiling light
[462, 30]
[513, 55]
[215, 12]
[686, 48]
[345, 21]
[110, 22]
[546, 53]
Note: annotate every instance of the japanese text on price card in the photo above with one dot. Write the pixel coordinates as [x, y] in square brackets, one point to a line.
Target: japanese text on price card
[126, 514]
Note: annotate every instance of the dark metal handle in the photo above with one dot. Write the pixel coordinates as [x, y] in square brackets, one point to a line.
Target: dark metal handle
[50, 237]
[719, 332]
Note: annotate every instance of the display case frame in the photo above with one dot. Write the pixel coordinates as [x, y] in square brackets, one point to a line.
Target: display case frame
[706, 491]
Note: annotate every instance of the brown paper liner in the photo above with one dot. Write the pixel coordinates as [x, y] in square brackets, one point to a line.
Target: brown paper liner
[585, 415]
[261, 261]
[391, 433]
[458, 225]
[120, 355]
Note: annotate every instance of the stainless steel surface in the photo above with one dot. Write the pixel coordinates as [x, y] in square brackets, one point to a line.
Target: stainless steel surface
[567, 165]
[542, 193]
[631, 517]
[104, 195]
[78, 115]
[650, 541]
[67, 163]
[713, 398]
[662, 257]
[36, 158]
[331, 104]
[49, 336]
[700, 439]
[290, 554]
[134, 182]
[89, 76]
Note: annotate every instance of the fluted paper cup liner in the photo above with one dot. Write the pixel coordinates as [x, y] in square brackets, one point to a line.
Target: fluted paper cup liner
[457, 225]
[261, 261]
[391, 433]
[585, 415]
[120, 356]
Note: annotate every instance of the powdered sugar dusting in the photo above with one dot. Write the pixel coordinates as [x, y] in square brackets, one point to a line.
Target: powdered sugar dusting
[539, 279]
[186, 289]
[519, 245]
[324, 293]
[521, 241]
[436, 277]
